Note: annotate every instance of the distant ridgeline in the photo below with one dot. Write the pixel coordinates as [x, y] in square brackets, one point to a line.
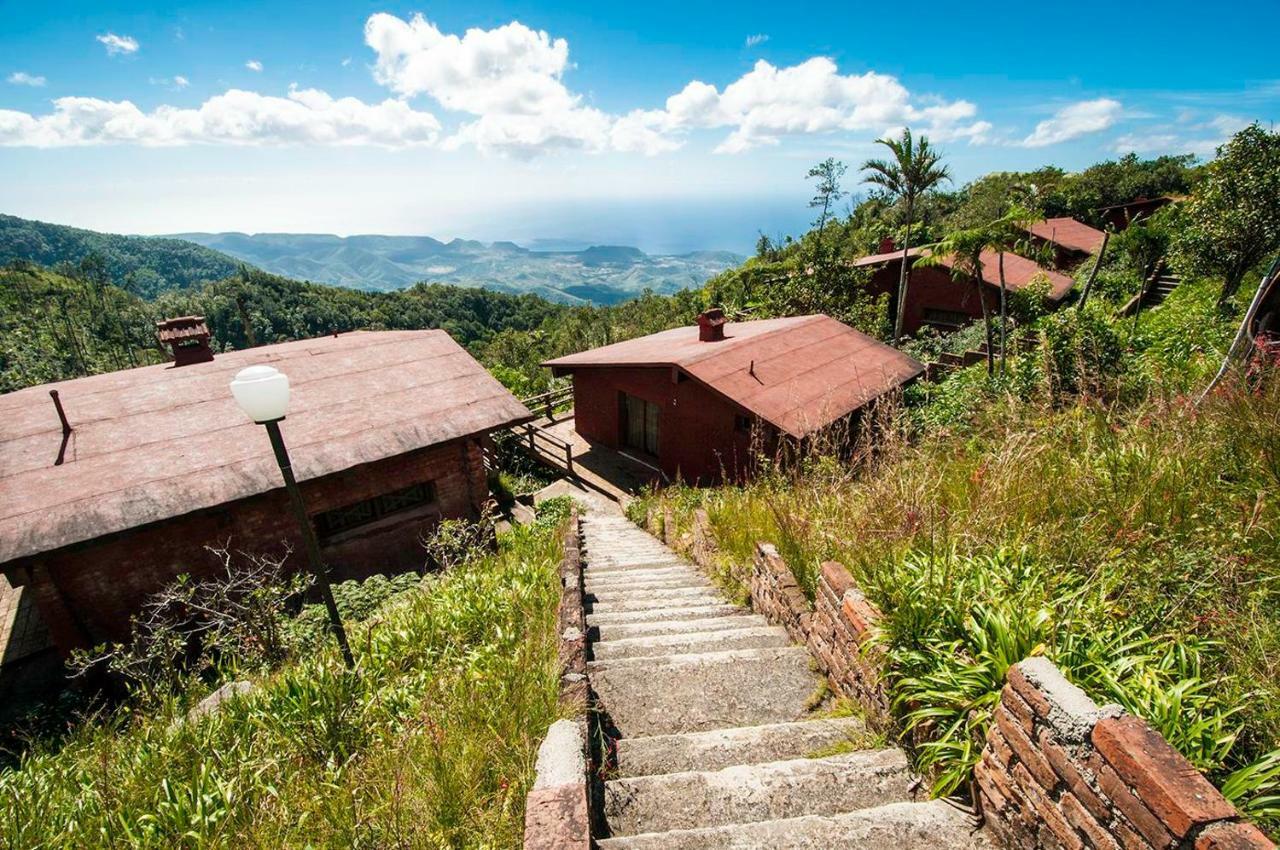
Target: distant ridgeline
[150, 265]
[597, 275]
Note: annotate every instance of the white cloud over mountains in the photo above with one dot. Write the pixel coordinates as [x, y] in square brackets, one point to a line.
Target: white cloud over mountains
[505, 88]
[238, 117]
[1078, 119]
[118, 45]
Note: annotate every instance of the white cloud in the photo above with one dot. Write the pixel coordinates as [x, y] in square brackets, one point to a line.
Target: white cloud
[175, 83]
[118, 45]
[1078, 119]
[346, 61]
[22, 78]
[253, 65]
[769, 103]
[753, 40]
[181, 81]
[1187, 135]
[305, 116]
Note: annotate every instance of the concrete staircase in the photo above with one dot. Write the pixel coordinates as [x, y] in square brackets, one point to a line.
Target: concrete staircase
[716, 744]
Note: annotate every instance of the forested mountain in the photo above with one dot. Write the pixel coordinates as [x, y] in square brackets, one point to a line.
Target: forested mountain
[144, 265]
[603, 274]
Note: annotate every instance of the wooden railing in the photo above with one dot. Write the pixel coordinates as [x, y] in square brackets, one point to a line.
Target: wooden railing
[546, 403]
[540, 441]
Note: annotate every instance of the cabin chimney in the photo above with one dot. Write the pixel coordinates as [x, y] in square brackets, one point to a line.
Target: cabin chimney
[711, 325]
[887, 246]
[188, 337]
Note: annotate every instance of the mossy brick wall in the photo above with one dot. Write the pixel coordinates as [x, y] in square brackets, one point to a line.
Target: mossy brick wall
[1057, 770]
[557, 813]
[87, 593]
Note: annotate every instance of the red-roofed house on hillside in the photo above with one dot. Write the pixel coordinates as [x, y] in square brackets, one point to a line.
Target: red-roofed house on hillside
[690, 400]
[385, 431]
[936, 299]
[1072, 241]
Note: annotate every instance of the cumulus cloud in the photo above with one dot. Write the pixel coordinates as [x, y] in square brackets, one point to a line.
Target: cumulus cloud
[1078, 119]
[1189, 135]
[181, 81]
[236, 117]
[769, 103]
[118, 45]
[753, 40]
[253, 65]
[22, 78]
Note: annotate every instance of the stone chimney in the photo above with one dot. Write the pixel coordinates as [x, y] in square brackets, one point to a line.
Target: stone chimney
[711, 325]
[188, 337]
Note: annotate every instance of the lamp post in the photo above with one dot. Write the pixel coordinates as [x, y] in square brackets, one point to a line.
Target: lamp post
[263, 394]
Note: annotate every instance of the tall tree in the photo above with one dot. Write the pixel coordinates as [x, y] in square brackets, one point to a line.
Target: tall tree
[1232, 221]
[828, 173]
[915, 169]
[962, 250]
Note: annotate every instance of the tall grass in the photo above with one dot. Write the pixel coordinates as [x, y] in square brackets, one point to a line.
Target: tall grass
[1125, 532]
[430, 742]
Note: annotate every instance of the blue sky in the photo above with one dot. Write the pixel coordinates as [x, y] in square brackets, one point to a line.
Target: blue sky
[667, 125]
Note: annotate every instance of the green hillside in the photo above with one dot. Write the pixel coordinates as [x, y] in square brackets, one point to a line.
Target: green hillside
[143, 265]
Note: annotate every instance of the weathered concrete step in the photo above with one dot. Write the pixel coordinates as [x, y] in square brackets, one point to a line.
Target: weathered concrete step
[692, 612]
[654, 571]
[660, 583]
[756, 792]
[612, 567]
[934, 825]
[699, 691]
[740, 619]
[623, 590]
[741, 745]
[754, 637]
[652, 602]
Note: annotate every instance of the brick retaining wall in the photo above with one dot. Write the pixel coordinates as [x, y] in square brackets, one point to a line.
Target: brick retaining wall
[1057, 770]
[557, 809]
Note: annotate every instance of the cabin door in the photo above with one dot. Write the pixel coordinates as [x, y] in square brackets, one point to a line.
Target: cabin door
[639, 424]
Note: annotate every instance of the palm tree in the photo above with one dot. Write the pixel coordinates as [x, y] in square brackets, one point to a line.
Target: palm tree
[962, 251]
[916, 168]
[1010, 233]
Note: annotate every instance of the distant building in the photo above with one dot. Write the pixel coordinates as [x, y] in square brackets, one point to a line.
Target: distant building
[1072, 241]
[385, 431]
[1120, 216]
[691, 400]
[936, 299]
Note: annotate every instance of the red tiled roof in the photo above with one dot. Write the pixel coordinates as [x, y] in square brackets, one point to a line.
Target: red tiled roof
[1069, 233]
[158, 441]
[1018, 270]
[877, 259]
[799, 374]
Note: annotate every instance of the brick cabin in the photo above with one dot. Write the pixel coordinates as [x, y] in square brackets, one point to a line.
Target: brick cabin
[1120, 216]
[691, 400]
[938, 300]
[385, 431]
[1072, 241]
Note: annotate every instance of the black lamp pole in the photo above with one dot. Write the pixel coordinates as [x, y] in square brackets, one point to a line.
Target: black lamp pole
[318, 568]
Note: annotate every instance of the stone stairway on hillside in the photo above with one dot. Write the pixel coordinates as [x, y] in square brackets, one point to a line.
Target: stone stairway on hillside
[716, 745]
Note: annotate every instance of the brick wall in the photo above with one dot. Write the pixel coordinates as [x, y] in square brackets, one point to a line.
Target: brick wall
[87, 593]
[1060, 771]
[1057, 770]
[557, 809]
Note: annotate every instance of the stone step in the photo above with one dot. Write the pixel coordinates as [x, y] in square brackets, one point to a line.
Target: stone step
[756, 792]
[740, 619]
[639, 647]
[673, 595]
[699, 691]
[692, 612]
[675, 582]
[642, 573]
[934, 825]
[653, 602]
[741, 745]
[612, 567]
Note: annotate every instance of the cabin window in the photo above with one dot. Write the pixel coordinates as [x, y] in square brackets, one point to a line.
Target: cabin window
[347, 517]
[639, 424]
[945, 318]
[742, 424]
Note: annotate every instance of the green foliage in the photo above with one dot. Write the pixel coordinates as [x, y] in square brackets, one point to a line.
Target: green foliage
[142, 265]
[1232, 222]
[1084, 350]
[430, 742]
